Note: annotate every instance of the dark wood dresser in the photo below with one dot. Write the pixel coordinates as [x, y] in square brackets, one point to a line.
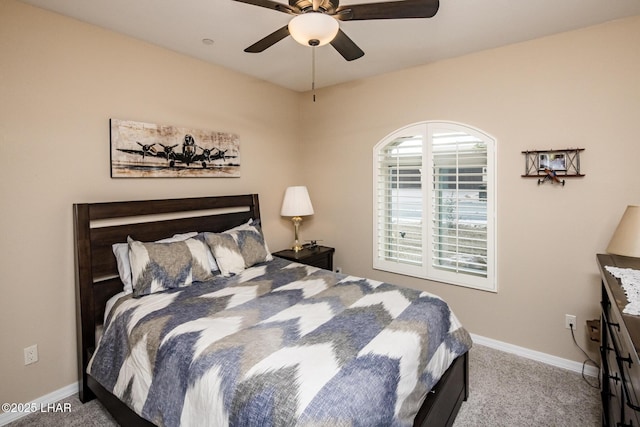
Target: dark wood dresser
[619, 347]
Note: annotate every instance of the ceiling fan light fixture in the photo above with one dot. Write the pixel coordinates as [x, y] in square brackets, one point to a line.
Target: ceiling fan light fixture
[313, 28]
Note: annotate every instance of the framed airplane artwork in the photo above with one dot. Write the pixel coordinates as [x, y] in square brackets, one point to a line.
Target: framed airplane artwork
[146, 150]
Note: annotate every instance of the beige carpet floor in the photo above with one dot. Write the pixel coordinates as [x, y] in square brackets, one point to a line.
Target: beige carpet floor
[505, 391]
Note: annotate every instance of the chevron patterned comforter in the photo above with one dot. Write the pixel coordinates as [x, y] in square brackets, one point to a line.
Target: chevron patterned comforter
[279, 344]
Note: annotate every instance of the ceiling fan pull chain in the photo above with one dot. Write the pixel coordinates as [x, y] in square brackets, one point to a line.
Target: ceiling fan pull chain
[313, 72]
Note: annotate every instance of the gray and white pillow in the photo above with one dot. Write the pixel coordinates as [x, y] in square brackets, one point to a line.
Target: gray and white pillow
[157, 267]
[121, 252]
[237, 249]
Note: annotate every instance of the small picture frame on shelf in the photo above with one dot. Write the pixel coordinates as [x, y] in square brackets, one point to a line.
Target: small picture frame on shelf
[553, 161]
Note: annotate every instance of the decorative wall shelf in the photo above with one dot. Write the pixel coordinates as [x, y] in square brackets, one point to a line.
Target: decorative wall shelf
[552, 165]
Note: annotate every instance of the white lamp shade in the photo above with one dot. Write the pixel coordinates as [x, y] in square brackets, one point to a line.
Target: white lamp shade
[296, 202]
[626, 238]
[313, 26]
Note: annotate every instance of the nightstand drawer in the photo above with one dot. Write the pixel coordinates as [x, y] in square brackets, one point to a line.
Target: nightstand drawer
[320, 261]
[320, 256]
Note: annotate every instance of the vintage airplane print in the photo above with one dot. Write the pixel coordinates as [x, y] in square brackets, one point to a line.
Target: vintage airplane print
[150, 150]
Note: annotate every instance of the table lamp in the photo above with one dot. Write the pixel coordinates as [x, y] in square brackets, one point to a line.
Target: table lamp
[296, 204]
[626, 238]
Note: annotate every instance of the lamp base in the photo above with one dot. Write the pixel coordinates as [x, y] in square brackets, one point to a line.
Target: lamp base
[297, 247]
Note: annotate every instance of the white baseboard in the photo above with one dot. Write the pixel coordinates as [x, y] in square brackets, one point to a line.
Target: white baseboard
[559, 362]
[535, 355]
[53, 397]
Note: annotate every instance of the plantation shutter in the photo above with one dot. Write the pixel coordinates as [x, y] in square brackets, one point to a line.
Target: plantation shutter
[399, 201]
[434, 204]
[459, 203]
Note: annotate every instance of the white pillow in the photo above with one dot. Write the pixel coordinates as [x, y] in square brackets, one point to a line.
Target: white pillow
[121, 251]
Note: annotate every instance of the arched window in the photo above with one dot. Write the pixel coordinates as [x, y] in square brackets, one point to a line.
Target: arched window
[435, 204]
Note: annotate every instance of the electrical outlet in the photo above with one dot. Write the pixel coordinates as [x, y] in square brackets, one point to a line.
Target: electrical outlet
[569, 319]
[31, 354]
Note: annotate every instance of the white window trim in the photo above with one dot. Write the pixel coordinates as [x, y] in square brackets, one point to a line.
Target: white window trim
[425, 129]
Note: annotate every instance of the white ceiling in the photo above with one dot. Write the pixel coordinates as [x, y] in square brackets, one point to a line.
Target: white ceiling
[459, 27]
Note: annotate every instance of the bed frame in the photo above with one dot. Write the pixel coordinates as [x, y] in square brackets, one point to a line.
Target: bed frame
[99, 225]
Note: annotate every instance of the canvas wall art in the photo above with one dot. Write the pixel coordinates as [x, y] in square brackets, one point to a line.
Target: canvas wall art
[140, 150]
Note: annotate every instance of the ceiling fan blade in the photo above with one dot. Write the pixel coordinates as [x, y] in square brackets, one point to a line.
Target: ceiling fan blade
[346, 47]
[269, 4]
[268, 41]
[388, 10]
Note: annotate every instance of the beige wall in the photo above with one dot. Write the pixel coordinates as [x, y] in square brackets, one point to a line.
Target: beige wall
[578, 89]
[60, 82]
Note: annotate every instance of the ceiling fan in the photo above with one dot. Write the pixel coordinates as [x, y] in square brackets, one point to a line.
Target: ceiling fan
[315, 22]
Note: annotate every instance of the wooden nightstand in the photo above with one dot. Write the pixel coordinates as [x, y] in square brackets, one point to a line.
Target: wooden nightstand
[320, 256]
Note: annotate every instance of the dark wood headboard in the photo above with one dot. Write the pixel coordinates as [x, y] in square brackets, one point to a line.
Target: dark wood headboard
[97, 226]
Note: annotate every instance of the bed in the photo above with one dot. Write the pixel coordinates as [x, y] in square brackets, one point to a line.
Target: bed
[312, 392]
